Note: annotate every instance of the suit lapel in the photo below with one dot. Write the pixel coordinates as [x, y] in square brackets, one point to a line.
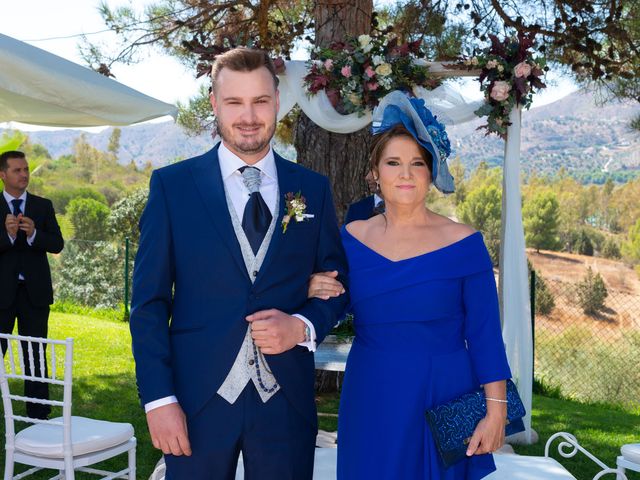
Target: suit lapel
[28, 207]
[4, 207]
[287, 182]
[208, 180]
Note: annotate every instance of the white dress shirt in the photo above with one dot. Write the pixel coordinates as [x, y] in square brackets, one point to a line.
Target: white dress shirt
[239, 195]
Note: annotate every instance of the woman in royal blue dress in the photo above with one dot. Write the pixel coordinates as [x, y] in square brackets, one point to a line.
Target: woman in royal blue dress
[427, 326]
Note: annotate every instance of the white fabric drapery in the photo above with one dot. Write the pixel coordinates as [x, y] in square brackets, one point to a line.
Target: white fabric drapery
[451, 109]
[515, 305]
[40, 88]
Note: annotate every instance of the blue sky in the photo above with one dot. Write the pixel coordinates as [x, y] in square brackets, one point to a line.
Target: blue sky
[42, 22]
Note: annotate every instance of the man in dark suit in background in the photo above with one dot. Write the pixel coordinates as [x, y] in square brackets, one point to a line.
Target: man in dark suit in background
[30, 231]
[367, 207]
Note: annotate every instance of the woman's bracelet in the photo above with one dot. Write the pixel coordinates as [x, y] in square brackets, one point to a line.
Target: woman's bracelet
[496, 400]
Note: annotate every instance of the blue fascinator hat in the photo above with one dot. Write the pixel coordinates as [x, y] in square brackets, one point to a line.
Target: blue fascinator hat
[395, 109]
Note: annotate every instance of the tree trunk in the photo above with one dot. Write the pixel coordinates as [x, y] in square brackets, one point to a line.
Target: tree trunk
[342, 158]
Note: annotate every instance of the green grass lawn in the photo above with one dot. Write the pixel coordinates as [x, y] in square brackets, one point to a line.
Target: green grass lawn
[104, 388]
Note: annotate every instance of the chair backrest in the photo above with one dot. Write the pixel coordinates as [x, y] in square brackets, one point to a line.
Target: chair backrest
[26, 358]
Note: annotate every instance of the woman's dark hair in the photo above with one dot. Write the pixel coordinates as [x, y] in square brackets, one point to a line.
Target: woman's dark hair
[381, 140]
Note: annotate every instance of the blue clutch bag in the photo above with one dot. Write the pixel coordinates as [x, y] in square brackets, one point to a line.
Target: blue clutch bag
[453, 423]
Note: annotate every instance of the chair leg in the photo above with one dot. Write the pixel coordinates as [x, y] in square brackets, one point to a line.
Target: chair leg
[8, 466]
[132, 463]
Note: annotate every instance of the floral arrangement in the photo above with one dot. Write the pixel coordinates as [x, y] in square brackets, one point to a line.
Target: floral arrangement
[509, 74]
[356, 73]
[296, 206]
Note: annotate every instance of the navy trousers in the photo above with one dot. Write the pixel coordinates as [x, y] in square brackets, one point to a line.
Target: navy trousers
[276, 442]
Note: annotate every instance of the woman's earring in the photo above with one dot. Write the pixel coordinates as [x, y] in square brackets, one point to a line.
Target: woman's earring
[377, 185]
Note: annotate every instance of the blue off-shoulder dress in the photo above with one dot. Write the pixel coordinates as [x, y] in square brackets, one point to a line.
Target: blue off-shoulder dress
[427, 330]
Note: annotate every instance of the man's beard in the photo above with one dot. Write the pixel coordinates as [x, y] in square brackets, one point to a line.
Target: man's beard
[248, 146]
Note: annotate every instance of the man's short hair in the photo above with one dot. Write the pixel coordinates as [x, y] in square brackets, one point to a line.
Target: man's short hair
[4, 158]
[242, 59]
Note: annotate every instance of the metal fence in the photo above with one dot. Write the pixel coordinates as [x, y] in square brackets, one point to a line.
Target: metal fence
[594, 356]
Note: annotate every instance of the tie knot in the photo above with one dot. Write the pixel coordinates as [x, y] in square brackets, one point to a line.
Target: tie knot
[251, 177]
[16, 202]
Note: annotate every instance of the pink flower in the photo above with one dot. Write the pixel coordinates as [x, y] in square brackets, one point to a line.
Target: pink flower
[523, 69]
[500, 91]
[370, 72]
[346, 71]
[371, 86]
[328, 64]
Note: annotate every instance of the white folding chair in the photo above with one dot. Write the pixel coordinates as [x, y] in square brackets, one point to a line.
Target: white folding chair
[63, 443]
[630, 458]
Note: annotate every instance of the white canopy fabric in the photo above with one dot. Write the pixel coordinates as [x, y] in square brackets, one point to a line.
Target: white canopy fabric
[40, 88]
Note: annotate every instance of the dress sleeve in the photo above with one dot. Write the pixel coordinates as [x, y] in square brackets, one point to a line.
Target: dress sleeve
[482, 327]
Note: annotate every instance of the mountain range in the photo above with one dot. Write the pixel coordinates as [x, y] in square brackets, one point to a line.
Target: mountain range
[574, 132]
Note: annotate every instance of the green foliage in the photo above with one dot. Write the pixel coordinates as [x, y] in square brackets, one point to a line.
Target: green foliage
[114, 142]
[583, 244]
[125, 216]
[89, 218]
[545, 303]
[631, 248]
[61, 198]
[90, 273]
[11, 140]
[611, 248]
[592, 293]
[541, 217]
[482, 209]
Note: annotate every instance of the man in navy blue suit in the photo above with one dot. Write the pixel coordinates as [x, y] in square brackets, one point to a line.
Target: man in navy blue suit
[367, 207]
[223, 332]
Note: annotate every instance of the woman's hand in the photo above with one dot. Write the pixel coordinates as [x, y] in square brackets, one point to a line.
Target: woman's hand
[488, 435]
[324, 285]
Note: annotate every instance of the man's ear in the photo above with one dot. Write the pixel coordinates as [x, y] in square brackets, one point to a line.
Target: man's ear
[214, 104]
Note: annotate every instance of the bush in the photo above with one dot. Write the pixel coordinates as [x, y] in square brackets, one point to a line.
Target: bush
[611, 249]
[62, 198]
[90, 273]
[89, 218]
[545, 302]
[583, 244]
[592, 293]
[125, 216]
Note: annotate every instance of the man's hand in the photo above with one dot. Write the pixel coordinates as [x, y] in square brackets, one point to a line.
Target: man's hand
[324, 285]
[168, 429]
[11, 224]
[26, 225]
[276, 332]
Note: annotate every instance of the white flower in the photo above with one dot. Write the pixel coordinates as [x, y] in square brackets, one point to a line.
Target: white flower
[367, 48]
[364, 40]
[378, 59]
[474, 61]
[383, 69]
[500, 68]
[492, 64]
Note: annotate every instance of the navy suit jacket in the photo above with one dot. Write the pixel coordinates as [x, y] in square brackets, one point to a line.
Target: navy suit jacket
[360, 210]
[192, 292]
[31, 261]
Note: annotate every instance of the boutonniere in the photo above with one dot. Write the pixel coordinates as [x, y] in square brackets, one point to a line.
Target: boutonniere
[296, 206]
